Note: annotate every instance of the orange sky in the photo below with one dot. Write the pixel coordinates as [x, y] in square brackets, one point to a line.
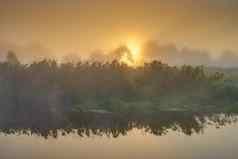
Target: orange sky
[81, 26]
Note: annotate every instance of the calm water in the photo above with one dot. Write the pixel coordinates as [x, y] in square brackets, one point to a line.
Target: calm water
[215, 138]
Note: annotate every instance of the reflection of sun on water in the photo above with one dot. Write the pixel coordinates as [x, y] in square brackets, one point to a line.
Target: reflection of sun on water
[133, 58]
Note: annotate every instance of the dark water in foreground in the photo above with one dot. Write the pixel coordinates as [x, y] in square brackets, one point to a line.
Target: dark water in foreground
[168, 137]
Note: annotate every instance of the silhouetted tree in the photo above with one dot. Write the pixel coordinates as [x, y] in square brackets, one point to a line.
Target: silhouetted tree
[12, 58]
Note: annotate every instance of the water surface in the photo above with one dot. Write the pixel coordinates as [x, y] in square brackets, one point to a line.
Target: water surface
[212, 137]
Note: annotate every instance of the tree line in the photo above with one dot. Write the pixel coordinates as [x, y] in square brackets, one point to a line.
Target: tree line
[47, 87]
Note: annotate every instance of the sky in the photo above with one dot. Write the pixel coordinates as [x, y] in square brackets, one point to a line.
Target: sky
[39, 28]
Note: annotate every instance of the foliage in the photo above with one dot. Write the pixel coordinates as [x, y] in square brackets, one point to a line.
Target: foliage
[47, 87]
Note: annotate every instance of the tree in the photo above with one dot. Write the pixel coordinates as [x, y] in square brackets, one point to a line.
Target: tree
[12, 58]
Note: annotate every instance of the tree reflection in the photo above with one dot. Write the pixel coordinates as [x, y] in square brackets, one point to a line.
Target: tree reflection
[114, 125]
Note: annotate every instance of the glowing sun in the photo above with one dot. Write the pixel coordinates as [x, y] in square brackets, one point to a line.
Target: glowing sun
[133, 57]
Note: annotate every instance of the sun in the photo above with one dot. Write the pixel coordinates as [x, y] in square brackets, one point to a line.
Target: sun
[133, 58]
[135, 50]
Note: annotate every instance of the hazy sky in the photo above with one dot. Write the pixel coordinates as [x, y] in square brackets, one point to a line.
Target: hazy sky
[81, 26]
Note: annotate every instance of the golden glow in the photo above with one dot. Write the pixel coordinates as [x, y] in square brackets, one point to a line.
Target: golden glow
[133, 57]
[135, 50]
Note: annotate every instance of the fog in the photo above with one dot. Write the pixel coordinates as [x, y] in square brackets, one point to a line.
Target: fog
[150, 50]
[172, 55]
